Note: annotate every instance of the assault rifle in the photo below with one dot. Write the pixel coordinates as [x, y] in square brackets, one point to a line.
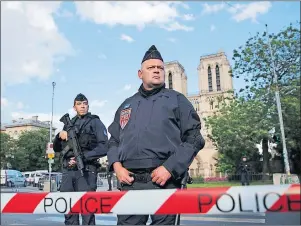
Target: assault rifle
[72, 142]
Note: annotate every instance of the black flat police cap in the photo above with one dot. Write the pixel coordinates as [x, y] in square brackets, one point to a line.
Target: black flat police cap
[152, 53]
[80, 97]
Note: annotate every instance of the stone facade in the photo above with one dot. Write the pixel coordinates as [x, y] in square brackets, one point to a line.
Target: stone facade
[17, 126]
[214, 83]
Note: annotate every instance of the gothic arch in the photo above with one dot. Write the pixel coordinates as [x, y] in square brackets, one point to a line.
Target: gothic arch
[218, 77]
[209, 72]
[170, 80]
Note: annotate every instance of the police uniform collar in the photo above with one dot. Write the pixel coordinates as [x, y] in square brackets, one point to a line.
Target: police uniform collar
[147, 93]
[84, 116]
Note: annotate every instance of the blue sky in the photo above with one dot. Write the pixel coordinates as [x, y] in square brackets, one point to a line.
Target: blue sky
[95, 48]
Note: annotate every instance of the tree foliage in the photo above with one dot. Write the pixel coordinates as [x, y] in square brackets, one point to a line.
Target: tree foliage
[29, 150]
[253, 61]
[236, 130]
[247, 120]
[7, 148]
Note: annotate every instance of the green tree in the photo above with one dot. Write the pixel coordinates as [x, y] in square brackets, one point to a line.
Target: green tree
[31, 151]
[236, 129]
[253, 62]
[7, 148]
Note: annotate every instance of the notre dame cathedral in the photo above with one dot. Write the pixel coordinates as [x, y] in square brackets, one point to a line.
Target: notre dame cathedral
[214, 82]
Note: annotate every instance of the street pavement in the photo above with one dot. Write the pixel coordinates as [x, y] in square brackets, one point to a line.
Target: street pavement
[110, 219]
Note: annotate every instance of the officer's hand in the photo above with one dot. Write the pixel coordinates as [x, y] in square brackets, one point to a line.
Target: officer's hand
[160, 175]
[122, 174]
[63, 135]
[72, 161]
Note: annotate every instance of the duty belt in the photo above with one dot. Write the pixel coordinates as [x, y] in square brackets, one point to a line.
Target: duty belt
[142, 176]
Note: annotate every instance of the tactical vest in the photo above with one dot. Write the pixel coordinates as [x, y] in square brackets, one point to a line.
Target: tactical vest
[86, 134]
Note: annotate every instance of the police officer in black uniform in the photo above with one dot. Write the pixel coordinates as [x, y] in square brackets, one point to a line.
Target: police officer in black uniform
[155, 136]
[93, 140]
[244, 169]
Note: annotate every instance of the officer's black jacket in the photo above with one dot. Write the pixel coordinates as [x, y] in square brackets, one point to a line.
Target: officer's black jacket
[92, 138]
[243, 167]
[163, 129]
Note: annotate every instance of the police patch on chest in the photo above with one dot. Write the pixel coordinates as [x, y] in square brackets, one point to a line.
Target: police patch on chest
[125, 115]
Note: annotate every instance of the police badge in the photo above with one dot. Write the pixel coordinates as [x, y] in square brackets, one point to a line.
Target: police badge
[125, 115]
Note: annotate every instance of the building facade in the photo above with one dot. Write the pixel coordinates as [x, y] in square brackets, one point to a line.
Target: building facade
[17, 126]
[214, 83]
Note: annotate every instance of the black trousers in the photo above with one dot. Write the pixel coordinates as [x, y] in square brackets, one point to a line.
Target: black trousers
[245, 179]
[142, 219]
[73, 181]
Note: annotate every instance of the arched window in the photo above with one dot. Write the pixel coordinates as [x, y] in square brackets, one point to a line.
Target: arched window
[209, 79]
[170, 80]
[218, 78]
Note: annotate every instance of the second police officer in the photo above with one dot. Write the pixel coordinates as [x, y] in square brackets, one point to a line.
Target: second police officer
[93, 140]
[155, 136]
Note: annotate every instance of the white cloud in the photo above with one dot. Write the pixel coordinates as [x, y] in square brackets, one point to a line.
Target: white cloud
[127, 87]
[31, 43]
[188, 17]
[20, 105]
[130, 13]
[71, 112]
[212, 27]
[173, 40]
[240, 12]
[126, 38]
[176, 26]
[251, 10]
[97, 103]
[96, 107]
[4, 102]
[212, 8]
[64, 13]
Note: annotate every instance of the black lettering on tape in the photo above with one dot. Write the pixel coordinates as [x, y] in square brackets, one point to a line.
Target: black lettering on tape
[70, 206]
[45, 203]
[225, 211]
[86, 205]
[65, 202]
[290, 202]
[240, 205]
[102, 205]
[203, 203]
[257, 203]
[265, 204]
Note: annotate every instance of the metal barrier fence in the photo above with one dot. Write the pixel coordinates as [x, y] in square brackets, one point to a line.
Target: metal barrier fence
[102, 180]
[268, 178]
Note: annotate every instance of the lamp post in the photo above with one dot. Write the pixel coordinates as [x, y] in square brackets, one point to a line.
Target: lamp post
[278, 103]
[51, 122]
[50, 138]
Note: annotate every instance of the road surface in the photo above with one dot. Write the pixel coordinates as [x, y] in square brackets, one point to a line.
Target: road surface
[108, 219]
